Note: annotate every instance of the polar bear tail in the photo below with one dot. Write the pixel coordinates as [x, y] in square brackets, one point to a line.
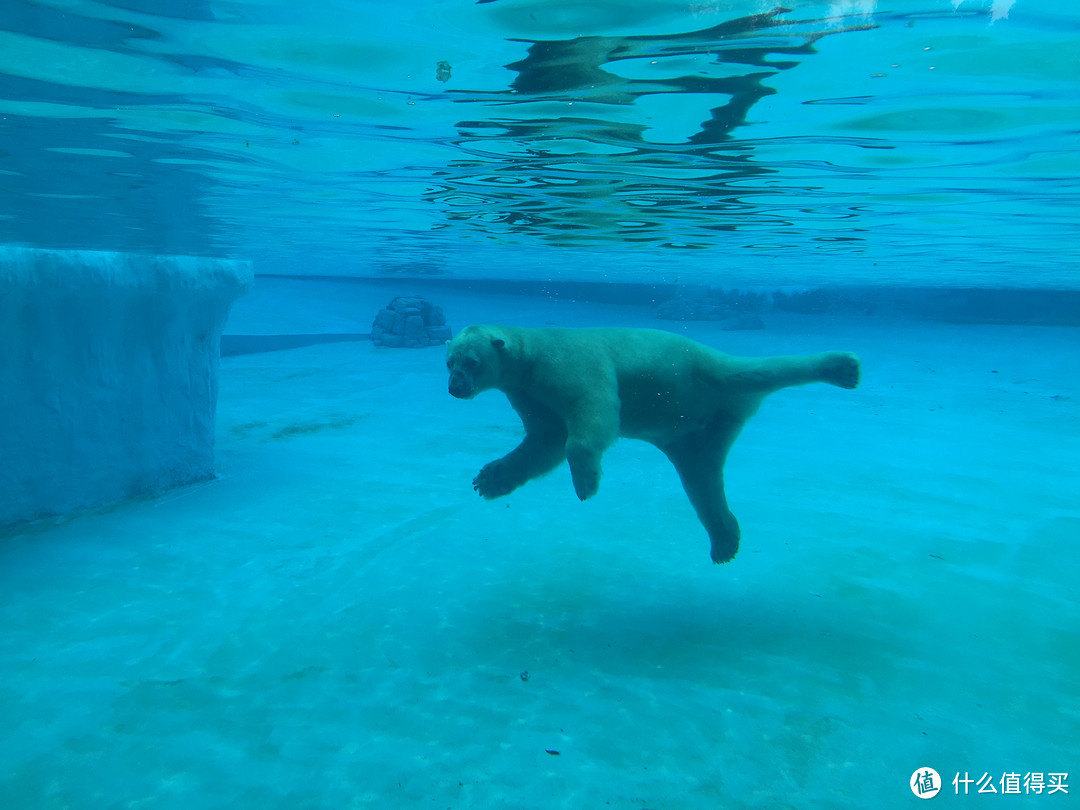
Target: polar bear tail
[840, 369]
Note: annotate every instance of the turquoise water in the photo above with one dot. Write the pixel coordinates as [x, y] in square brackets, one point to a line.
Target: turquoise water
[335, 620]
[912, 141]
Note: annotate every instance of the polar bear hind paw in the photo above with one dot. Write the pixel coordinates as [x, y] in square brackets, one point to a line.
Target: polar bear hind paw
[840, 369]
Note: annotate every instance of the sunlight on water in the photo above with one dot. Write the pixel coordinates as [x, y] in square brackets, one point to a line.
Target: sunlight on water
[904, 142]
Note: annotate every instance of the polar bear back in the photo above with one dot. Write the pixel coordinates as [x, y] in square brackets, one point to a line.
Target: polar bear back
[667, 384]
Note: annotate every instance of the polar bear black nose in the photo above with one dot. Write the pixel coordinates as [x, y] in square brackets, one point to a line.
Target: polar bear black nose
[459, 385]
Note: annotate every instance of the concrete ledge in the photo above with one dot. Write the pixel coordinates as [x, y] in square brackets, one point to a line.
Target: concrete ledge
[108, 375]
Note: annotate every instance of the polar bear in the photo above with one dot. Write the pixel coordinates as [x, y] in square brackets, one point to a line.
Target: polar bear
[578, 390]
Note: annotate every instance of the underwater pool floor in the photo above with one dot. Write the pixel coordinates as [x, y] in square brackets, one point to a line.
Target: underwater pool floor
[337, 621]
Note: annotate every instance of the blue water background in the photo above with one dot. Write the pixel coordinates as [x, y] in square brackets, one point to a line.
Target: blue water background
[337, 621]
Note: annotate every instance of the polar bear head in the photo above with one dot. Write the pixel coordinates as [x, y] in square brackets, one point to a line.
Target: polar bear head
[475, 360]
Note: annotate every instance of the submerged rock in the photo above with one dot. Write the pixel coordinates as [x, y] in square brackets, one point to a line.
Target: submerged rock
[410, 322]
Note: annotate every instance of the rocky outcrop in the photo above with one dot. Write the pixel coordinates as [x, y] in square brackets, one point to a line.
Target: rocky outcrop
[410, 322]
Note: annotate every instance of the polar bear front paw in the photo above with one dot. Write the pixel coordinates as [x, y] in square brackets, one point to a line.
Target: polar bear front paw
[494, 481]
[586, 480]
[584, 470]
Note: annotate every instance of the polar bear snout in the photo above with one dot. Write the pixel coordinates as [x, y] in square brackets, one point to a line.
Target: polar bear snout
[460, 385]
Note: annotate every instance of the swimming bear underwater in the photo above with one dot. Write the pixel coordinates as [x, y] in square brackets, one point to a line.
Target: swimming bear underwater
[578, 390]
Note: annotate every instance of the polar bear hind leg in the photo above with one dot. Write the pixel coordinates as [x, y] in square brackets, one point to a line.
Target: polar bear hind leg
[699, 459]
[763, 376]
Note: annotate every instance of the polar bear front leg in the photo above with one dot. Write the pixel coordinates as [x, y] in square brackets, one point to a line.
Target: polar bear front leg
[540, 452]
[584, 469]
[532, 458]
[591, 429]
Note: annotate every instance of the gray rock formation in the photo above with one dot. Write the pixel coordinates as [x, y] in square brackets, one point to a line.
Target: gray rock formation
[410, 322]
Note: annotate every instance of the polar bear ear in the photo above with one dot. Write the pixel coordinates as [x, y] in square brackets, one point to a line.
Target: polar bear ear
[498, 343]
